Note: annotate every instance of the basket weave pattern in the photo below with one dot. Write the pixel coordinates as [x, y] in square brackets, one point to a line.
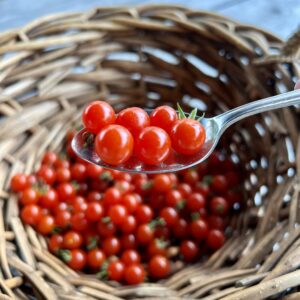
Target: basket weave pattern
[147, 56]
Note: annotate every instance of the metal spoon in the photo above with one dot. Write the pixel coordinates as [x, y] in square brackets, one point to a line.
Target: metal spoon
[214, 127]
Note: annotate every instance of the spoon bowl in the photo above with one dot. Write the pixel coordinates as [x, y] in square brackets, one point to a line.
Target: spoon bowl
[214, 128]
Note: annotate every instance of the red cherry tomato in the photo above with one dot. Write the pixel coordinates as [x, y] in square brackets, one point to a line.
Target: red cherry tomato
[19, 182]
[134, 119]
[159, 267]
[219, 183]
[65, 191]
[131, 202]
[77, 260]
[94, 196]
[202, 188]
[195, 202]
[128, 241]
[191, 176]
[117, 214]
[79, 222]
[215, 222]
[189, 250]
[157, 247]
[174, 198]
[63, 175]
[162, 183]
[31, 214]
[63, 219]
[95, 258]
[49, 199]
[46, 225]
[93, 171]
[180, 228]
[47, 174]
[188, 136]
[49, 158]
[164, 117]
[134, 274]
[185, 189]
[215, 239]
[114, 144]
[72, 240]
[144, 214]
[78, 204]
[94, 211]
[198, 229]
[111, 246]
[219, 206]
[97, 115]
[55, 243]
[112, 196]
[115, 270]
[106, 229]
[152, 145]
[129, 225]
[130, 257]
[169, 215]
[78, 172]
[144, 234]
[29, 196]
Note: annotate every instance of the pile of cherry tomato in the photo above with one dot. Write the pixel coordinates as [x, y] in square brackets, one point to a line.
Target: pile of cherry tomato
[151, 139]
[121, 226]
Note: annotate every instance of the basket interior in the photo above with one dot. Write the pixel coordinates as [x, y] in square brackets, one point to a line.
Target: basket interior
[147, 57]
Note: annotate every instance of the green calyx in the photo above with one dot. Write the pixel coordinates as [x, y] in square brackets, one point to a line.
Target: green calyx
[93, 243]
[89, 139]
[157, 222]
[192, 115]
[64, 254]
[103, 274]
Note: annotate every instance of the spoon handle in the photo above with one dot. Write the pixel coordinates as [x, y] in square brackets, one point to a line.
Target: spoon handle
[283, 100]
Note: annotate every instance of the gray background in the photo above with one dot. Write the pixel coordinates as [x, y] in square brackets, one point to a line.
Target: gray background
[279, 16]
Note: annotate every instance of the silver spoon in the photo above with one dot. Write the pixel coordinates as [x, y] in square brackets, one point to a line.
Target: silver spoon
[214, 127]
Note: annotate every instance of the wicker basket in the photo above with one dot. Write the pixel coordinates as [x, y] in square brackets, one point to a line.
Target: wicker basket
[146, 56]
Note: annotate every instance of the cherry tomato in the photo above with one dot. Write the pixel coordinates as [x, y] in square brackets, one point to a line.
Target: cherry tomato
[63, 175]
[215, 239]
[94, 211]
[97, 115]
[123, 186]
[49, 199]
[128, 241]
[174, 198]
[55, 243]
[144, 234]
[123, 176]
[72, 240]
[202, 188]
[19, 182]
[189, 250]
[164, 117]
[198, 229]
[117, 213]
[157, 201]
[130, 257]
[94, 196]
[62, 163]
[180, 228]
[162, 232]
[95, 258]
[78, 204]
[134, 119]
[191, 176]
[49, 158]
[115, 270]
[129, 225]
[157, 247]
[159, 267]
[114, 144]
[46, 225]
[106, 229]
[188, 136]
[111, 246]
[31, 180]
[134, 274]
[112, 196]
[79, 222]
[61, 206]
[219, 183]
[47, 174]
[78, 172]
[215, 222]
[63, 219]
[233, 197]
[195, 202]
[77, 260]
[232, 178]
[185, 189]
[131, 202]
[144, 214]
[153, 145]
[93, 171]
[219, 206]
[169, 215]
[162, 183]
[31, 214]
[29, 196]
[65, 191]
